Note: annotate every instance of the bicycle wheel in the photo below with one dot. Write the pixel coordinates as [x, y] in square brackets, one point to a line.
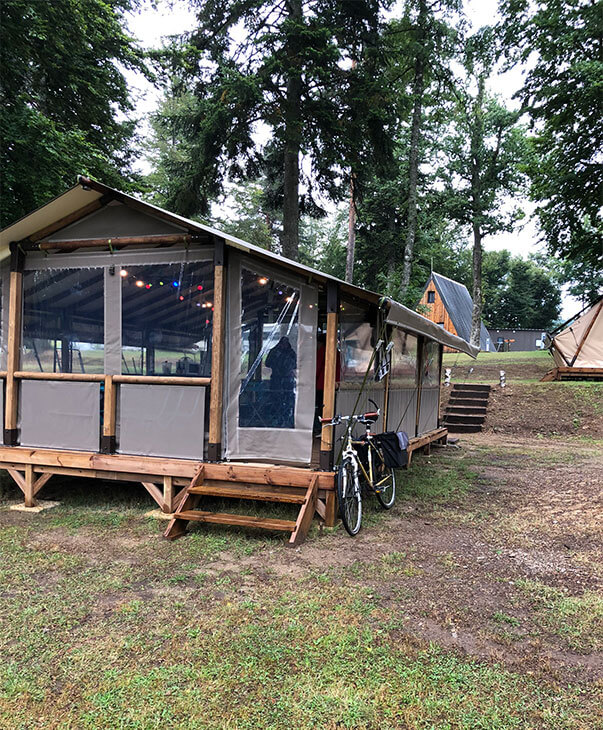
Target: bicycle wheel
[349, 497]
[385, 482]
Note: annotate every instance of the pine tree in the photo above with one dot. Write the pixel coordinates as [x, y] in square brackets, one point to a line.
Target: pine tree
[281, 70]
[63, 98]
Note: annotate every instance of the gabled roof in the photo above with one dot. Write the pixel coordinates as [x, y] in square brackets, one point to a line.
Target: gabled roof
[76, 200]
[459, 306]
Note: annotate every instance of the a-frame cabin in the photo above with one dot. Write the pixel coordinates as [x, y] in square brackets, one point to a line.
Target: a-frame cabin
[449, 304]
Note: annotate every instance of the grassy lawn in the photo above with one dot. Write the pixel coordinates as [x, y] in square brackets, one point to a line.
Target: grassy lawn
[425, 620]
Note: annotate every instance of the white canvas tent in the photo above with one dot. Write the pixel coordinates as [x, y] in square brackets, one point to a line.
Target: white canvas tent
[577, 346]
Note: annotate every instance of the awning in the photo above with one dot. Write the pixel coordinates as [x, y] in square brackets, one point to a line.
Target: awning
[400, 316]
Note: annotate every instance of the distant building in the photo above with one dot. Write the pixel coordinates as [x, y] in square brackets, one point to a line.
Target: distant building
[517, 340]
[449, 304]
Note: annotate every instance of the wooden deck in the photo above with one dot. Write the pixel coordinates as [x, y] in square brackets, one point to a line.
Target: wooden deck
[572, 373]
[177, 485]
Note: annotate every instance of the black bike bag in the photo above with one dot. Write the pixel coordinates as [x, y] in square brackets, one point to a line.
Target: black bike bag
[394, 455]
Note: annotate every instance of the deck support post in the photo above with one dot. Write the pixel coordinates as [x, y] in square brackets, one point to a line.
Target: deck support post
[168, 494]
[214, 447]
[328, 406]
[13, 360]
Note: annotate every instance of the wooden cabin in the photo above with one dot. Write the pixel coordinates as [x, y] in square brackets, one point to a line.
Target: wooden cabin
[141, 346]
[449, 304]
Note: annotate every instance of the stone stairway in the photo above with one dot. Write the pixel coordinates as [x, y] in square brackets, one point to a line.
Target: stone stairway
[466, 409]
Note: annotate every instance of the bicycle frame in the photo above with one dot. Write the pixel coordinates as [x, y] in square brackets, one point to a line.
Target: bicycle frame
[350, 452]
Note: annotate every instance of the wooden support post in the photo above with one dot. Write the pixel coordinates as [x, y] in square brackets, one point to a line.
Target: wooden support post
[214, 448]
[420, 347]
[328, 406]
[109, 416]
[168, 494]
[331, 509]
[29, 486]
[441, 359]
[11, 437]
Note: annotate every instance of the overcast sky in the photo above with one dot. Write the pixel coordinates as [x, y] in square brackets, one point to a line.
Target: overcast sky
[151, 25]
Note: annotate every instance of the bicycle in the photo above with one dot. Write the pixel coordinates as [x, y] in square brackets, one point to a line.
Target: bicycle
[378, 477]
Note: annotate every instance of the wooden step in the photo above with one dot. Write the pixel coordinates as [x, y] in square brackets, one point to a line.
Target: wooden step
[464, 418]
[466, 410]
[223, 518]
[472, 386]
[464, 427]
[456, 401]
[463, 393]
[289, 495]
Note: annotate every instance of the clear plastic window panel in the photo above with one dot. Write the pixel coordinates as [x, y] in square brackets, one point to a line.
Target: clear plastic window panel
[167, 317]
[63, 321]
[431, 365]
[403, 373]
[357, 341]
[269, 338]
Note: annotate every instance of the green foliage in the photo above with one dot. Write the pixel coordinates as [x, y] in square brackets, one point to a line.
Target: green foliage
[562, 93]
[63, 98]
[282, 69]
[519, 293]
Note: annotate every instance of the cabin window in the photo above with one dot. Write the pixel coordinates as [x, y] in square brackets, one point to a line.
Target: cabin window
[167, 315]
[63, 321]
[269, 347]
[430, 297]
[403, 372]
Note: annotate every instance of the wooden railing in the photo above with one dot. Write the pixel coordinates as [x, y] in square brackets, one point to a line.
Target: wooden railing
[109, 381]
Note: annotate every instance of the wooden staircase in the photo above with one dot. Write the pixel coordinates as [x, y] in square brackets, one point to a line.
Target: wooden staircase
[466, 409]
[305, 496]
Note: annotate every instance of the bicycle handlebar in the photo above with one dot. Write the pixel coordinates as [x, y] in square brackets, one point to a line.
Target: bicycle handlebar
[369, 417]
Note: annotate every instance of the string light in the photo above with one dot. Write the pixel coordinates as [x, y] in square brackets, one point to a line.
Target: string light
[160, 283]
[181, 298]
[175, 284]
[263, 280]
[139, 283]
[148, 286]
[199, 288]
[123, 273]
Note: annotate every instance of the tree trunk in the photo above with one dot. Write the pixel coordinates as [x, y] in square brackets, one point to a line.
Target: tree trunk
[292, 146]
[413, 158]
[476, 314]
[477, 161]
[349, 262]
